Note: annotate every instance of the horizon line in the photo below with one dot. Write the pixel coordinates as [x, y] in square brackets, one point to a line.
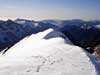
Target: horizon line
[5, 19]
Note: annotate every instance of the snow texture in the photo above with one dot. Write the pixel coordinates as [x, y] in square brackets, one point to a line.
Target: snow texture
[37, 56]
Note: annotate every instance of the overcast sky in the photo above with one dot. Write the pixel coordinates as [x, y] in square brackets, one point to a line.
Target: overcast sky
[50, 9]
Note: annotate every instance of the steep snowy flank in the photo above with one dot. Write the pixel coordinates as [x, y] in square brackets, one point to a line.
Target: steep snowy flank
[37, 56]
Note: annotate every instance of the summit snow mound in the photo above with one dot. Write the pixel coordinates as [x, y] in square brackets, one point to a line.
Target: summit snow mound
[35, 55]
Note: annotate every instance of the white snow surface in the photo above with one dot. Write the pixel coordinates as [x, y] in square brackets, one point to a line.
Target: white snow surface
[97, 26]
[37, 56]
[20, 22]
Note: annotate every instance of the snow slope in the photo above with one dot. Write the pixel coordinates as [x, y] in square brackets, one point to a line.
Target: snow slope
[37, 56]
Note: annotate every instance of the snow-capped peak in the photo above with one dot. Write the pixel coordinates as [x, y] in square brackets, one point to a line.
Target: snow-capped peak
[97, 26]
[36, 24]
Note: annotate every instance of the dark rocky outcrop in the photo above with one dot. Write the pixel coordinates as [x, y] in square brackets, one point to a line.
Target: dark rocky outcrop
[11, 32]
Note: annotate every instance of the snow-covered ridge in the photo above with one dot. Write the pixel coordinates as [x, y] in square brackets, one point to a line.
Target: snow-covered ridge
[34, 43]
[37, 56]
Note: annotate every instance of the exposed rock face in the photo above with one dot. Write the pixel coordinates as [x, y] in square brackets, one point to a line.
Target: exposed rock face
[97, 52]
[83, 36]
[10, 33]
[13, 31]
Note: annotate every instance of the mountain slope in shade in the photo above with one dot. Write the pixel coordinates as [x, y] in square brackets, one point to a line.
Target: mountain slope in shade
[84, 36]
[54, 56]
[76, 22]
[13, 31]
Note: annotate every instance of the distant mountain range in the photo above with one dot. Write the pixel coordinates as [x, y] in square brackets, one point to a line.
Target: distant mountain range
[82, 33]
[76, 22]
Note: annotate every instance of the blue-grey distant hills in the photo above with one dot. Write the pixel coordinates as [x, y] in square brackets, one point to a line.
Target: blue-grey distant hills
[76, 22]
[82, 33]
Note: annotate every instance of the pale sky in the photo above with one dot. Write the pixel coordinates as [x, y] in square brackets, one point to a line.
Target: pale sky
[50, 9]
